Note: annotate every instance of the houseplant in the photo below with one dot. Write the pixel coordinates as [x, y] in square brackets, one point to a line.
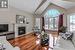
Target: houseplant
[63, 29]
[44, 39]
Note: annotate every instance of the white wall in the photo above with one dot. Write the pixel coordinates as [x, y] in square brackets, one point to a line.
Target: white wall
[8, 16]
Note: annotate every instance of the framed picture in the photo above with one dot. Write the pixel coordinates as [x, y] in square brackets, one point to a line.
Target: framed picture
[20, 19]
[27, 20]
[3, 3]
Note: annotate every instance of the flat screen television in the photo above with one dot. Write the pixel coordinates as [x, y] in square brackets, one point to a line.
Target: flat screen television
[3, 27]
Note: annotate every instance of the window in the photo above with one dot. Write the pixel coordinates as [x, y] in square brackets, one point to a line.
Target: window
[51, 19]
[3, 3]
[72, 23]
[37, 23]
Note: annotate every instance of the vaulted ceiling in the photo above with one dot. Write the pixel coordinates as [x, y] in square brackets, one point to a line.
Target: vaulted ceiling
[25, 5]
[70, 0]
[38, 6]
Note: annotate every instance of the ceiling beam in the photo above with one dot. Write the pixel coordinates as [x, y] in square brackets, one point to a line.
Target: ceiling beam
[43, 1]
[42, 7]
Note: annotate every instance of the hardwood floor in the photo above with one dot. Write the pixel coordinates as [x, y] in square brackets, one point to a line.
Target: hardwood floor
[28, 42]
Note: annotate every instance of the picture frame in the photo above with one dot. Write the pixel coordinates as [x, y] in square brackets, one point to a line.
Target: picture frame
[20, 19]
[4, 4]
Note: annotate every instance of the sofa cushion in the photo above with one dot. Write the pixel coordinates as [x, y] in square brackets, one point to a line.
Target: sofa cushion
[64, 45]
[67, 44]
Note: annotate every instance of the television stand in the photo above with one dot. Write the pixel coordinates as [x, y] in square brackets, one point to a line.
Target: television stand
[9, 35]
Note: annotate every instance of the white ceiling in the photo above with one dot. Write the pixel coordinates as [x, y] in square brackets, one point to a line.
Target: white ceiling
[26, 5]
[63, 4]
[70, 0]
[31, 5]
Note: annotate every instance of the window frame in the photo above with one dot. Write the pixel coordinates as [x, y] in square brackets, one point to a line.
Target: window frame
[53, 22]
[46, 16]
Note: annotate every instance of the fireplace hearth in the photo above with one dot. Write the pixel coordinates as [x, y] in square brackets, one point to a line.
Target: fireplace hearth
[21, 30]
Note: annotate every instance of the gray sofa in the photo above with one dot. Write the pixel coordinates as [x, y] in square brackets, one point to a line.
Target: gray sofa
[66, 44]
[73, 39]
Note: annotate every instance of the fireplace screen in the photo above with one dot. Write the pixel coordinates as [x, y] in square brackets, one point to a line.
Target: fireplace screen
[21, 30]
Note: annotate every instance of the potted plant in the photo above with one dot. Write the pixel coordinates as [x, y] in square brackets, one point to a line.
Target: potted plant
[44, 39]
[63, 29]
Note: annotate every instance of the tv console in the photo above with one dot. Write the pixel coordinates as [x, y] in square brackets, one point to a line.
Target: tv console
[9, 35]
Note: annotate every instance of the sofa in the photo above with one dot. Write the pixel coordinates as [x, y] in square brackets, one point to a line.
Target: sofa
[6, 44]
[73, 39]
[64, 44]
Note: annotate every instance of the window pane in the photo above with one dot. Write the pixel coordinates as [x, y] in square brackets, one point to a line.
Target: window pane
[53, 13]
[50, 23]
[37, 23]
[56, 23]
[46, 26]
[51, 26]
[46, 23]
[51, 19]
[72, 23]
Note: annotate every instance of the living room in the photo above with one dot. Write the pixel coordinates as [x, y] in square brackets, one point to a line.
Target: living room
[23, 22]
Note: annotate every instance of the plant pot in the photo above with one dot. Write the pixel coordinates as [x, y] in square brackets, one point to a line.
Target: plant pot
[44, 42]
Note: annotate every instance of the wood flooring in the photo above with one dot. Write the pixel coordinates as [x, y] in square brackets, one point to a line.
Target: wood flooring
[27, 42]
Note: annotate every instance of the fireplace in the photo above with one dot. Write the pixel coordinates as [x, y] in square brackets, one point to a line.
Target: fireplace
[21, 30]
